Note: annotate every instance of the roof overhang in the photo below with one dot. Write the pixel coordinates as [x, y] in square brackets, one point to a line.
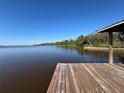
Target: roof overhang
[116, 27]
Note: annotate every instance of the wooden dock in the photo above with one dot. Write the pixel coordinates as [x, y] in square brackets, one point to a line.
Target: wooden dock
[87, 78]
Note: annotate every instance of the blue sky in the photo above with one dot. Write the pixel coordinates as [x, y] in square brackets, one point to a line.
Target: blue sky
[25, 22]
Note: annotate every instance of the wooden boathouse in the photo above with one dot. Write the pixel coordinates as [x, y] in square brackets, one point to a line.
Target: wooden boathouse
[90, 77]
[116, 27]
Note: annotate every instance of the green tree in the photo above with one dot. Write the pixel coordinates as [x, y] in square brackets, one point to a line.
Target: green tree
[79, 41]
[121, 36]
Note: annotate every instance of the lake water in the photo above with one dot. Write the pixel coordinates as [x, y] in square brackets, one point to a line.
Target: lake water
[30, 69]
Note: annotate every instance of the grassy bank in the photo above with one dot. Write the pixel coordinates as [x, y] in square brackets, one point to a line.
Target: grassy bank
[102, 49]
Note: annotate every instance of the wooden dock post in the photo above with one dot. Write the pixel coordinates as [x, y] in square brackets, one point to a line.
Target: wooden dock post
[110, 47]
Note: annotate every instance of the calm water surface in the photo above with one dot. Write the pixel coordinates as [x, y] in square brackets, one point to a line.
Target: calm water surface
[29, 69]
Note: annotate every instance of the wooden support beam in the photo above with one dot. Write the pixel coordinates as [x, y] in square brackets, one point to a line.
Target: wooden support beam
[110, 47]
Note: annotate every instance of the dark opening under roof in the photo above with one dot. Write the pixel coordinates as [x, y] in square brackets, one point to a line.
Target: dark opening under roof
[116, 27]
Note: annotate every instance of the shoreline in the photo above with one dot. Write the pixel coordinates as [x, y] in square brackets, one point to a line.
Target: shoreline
[102, 49]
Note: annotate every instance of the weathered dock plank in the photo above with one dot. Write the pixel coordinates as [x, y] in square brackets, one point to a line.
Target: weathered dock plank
[87, 78]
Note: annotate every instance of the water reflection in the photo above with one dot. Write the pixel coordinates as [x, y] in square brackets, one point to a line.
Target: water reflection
[119, 54]
[30, 69]
[96, 56]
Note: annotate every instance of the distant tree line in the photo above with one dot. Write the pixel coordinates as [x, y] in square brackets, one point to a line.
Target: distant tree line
[95, 40]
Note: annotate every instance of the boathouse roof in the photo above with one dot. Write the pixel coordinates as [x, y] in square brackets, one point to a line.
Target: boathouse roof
[115, 27]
